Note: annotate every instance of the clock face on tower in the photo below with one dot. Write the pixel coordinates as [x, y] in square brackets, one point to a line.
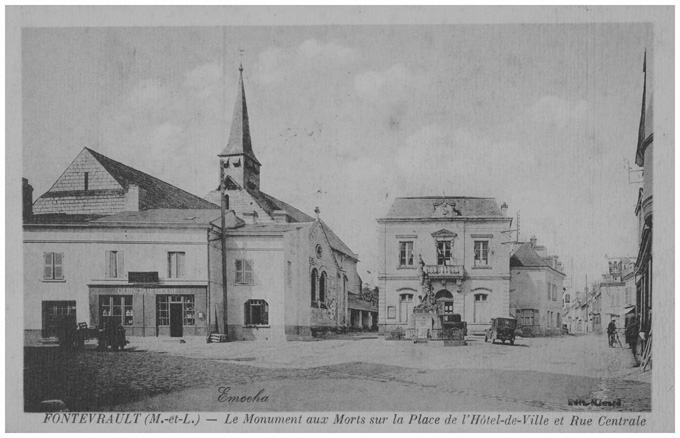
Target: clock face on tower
[319, 251]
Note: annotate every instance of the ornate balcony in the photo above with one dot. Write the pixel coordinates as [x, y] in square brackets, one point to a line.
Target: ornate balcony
[444, 271]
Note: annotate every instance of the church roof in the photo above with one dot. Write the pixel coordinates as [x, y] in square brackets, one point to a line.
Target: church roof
[424, 207]
[158, 194]
[239, 138]
[335, 241]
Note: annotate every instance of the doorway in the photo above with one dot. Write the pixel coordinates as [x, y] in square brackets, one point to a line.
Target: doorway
[176, 320]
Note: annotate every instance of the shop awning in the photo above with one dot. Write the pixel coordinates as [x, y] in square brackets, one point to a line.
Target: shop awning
[629, 309]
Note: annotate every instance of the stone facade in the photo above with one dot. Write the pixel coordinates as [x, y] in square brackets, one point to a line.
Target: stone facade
[473, 278]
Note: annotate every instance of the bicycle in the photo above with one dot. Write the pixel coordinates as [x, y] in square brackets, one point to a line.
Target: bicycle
[614, 339]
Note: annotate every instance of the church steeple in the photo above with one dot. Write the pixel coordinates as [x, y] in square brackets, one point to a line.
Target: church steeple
[238, 159]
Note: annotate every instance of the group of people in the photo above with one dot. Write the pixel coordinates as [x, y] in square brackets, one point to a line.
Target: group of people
[632, 337]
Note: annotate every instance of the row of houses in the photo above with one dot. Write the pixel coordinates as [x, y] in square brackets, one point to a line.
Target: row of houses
[626, 290]
[613, 298]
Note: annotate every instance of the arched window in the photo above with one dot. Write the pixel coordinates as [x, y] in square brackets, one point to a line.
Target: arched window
[313, 281]
[445, 300]
[405, 306]
[481, 310]
[322, 287]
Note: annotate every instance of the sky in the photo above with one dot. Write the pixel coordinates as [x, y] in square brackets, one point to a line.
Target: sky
[346, 118]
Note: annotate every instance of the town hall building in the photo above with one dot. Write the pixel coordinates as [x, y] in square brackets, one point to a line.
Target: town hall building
[461, 243]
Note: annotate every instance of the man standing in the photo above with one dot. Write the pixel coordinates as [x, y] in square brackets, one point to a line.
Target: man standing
[611, 331]
[632, 334]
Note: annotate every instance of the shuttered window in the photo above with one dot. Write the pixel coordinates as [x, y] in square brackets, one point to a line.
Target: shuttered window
[113, 262]
[54, 268]
[176, 264]
[244, 271]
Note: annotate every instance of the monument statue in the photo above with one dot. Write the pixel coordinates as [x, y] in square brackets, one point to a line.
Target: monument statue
[427, 299]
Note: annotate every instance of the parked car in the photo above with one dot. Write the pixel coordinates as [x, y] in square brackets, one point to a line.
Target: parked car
[502, 329]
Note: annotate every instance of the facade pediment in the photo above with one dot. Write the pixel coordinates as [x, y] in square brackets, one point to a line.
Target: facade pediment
[443, 234]
[444, 209]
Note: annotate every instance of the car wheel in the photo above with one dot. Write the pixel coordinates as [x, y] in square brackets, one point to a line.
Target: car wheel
[512, 342]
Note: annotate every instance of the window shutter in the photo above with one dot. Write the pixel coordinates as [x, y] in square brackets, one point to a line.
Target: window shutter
[121, 264]
[170, 265]
[107, 264]
[246, 314]
[48, 265]
[239, 272]
[248, 270]
[58, 267]
[265, 313]
[180, 265]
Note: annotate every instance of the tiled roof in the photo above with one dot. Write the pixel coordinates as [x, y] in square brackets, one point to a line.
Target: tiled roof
[61, 218]
[336, 243]
[423, 207]
[275, 204]
[158, 194]
[525, 256]
[167, 216]
[358, 303]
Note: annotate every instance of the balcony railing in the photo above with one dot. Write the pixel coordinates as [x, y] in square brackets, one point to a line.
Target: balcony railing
[445, 270]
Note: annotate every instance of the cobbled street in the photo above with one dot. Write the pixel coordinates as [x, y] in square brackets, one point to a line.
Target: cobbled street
[352, 374]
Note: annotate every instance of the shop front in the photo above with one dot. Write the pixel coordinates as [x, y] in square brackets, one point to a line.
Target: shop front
[152, 311]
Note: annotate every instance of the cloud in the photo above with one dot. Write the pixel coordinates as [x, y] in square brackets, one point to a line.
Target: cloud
[147, 92]
[397, 79]
[203, 75]
[555, 112]
[332, 50]
[275, 64]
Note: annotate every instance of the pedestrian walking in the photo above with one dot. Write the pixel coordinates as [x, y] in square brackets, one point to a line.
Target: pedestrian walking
[632, 336]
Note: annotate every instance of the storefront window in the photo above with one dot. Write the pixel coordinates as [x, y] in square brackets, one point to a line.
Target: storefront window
[163, 303]
[119, 306]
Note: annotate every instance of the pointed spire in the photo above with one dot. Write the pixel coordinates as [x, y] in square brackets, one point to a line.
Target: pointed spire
[239, 137]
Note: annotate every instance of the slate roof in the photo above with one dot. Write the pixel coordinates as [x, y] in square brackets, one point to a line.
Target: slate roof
[165, 216]
[423, 207]
[239, 137]
[358, 303]
[159, 194]
[525, 256]
[276, 204]
[335, 241]
[61, 218]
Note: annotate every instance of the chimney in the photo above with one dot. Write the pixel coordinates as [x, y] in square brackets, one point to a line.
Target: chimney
[504, 209]
[533, 241]
[132, 198]
[27, 196]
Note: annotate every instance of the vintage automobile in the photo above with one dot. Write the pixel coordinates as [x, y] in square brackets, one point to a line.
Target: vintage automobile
[111, 334]
[454, 321]
[502, 329]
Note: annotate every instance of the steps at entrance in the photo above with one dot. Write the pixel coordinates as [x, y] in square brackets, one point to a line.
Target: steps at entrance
[217, 338]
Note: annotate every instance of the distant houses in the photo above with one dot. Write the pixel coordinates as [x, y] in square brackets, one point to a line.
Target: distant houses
[536, 288]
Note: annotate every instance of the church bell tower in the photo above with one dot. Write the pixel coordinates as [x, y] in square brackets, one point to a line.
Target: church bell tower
[237, 161]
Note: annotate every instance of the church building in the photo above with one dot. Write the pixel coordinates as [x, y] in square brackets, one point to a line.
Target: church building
[107, 240]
